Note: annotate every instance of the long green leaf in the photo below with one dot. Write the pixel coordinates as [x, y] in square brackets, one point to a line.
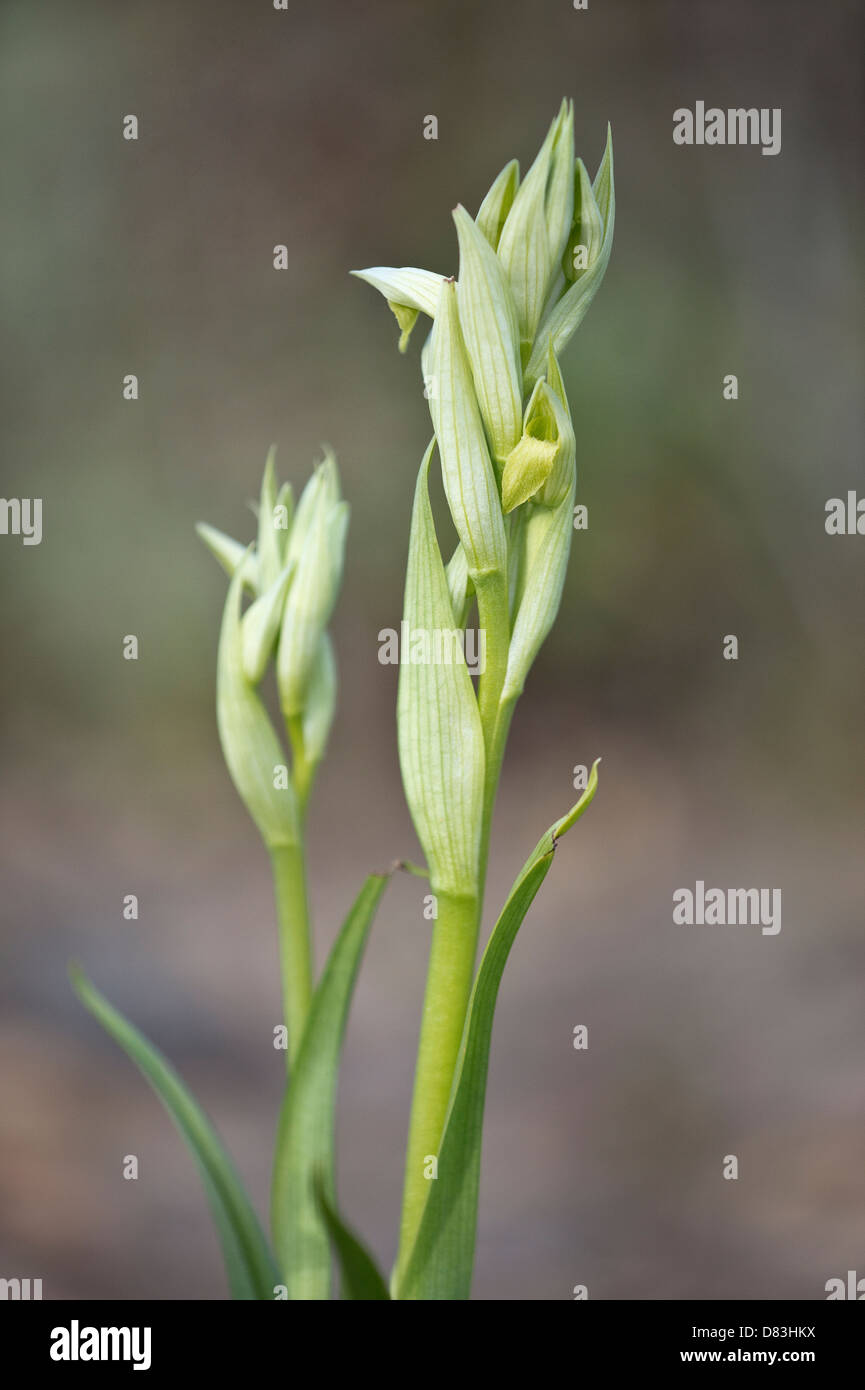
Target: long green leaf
[440, 1265]
[360, 1276]
[305, 1142]
[252, 1273]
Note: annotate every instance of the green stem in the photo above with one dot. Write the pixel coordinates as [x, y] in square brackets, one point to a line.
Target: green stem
[455, 937]
[494, 758]
[449, 983]
[494, 620]
[302, 770]
[295, 946]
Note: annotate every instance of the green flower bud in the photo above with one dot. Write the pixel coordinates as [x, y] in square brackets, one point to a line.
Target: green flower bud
[546, 539]
[488, 319]
[534, 235]
[559, 193]
[587, 233]
[493, 211]
[563, 318]
[531, 462]
[543, 462]
[541, 535]
[269, 558]
[284, 515]
[260, 625]
[469, 481]
[315, 552]
[323, 485]
[251, 748]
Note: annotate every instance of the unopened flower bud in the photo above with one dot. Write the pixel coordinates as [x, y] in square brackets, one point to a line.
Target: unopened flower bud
[543, 462]
[493, 211]
[469, 481]
[562, 318]
[488, 319]
[315, 551]
[251, 748]
[537, 226]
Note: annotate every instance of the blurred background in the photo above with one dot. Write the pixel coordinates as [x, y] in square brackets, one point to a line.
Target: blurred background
[706, 518]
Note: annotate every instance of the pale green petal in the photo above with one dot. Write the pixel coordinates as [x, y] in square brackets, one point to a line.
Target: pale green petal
[527, 469]
[469, 481]
[544, 460]
[283, 520]
[417, 289]
[260, 625]
[230, 554]
[493, 211]
[588, 227]
[269, 558]
[603, 186]
[488, 319]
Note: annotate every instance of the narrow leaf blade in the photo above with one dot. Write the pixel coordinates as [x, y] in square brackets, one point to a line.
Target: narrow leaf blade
[360, 1277]
[249, 1263]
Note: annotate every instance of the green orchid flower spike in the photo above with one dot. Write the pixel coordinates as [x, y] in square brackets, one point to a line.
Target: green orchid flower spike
[530, 264]
[293, 575]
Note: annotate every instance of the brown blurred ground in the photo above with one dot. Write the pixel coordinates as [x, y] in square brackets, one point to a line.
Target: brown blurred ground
[706, 518]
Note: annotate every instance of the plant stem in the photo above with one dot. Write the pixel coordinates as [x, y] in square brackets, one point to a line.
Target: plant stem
[295, 947]
[494, 622]
[494, 757]
[454, 944]
[449, 983]
[302, 770]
